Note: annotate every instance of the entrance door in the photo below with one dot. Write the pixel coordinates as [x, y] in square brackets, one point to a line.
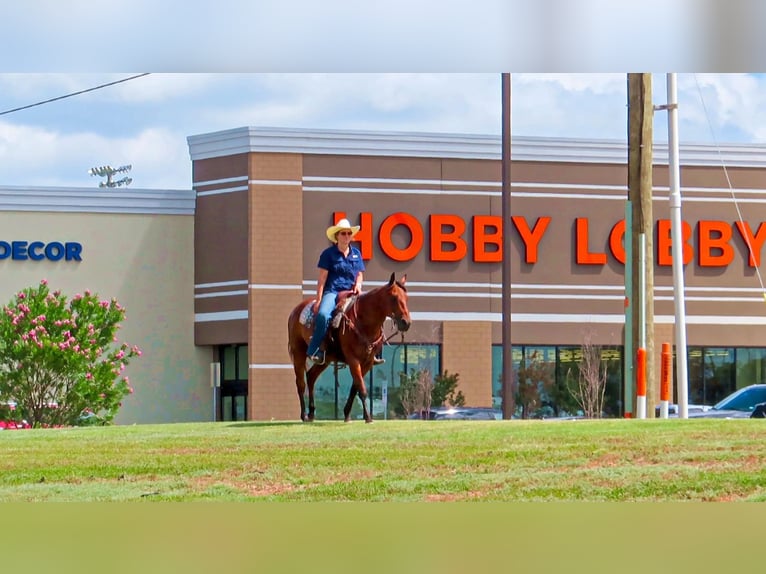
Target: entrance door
[234, 369]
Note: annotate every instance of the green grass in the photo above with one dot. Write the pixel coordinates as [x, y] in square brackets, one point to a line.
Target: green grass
[608, 460]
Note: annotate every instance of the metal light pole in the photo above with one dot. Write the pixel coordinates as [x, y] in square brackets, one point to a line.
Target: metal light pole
[676, 234]
[509, 404]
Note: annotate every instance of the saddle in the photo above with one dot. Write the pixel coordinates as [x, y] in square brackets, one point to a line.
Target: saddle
[345, 300]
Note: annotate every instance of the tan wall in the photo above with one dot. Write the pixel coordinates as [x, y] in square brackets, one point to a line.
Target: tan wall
[467, 351]
[275, 246]
[147, 264]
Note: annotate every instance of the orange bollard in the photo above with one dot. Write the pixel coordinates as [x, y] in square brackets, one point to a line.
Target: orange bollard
[641, 383]
[667, 369]
[666, 374]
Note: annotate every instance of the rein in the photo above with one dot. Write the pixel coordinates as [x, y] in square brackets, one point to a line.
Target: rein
[362, 336]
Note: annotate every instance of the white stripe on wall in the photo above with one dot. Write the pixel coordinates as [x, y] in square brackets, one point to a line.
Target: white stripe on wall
[271, 365]
[584, 318]
[274, 182]
[271, 286]
[221, 191]
[219, 181]
[219, 294]
[220, 316]
[221, 284]
[406, 181]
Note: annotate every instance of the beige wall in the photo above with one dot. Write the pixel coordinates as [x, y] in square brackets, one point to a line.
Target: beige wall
[147, 263]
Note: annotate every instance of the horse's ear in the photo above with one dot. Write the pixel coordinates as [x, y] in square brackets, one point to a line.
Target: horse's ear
[393, 278]
[403, 280]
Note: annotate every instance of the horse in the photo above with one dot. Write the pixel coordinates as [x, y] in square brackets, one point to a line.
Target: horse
[354, 342]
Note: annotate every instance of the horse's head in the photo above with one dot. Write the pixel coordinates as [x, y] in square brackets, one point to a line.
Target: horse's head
[398, 302]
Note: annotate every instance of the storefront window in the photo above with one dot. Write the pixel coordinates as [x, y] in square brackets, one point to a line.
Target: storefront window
[712, 372]
[751, 366]
[556, 399]
[382, 382]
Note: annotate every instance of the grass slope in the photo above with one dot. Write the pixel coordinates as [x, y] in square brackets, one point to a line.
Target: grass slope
[606, 460]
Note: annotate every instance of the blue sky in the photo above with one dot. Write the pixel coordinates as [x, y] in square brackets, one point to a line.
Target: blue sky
[145, 121]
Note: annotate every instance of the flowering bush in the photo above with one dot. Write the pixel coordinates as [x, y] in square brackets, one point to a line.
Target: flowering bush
[60, 360]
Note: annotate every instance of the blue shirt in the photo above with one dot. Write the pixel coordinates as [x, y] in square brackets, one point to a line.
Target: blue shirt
[342, 271]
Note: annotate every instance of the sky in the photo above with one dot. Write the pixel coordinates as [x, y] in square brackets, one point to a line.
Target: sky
[145, 121]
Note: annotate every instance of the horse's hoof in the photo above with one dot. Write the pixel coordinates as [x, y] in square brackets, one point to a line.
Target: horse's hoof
[368, 421]
[310, 420]
[347, 420]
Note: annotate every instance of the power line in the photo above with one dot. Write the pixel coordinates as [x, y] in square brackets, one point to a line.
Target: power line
[73, 94]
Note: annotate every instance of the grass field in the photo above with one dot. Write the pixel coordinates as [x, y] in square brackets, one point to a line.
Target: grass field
[403, 461]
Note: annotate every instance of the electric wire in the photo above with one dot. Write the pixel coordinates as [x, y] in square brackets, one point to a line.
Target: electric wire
[751, 253]
[74, 94]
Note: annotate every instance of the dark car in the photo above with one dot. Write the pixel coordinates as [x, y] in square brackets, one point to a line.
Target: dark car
[744, 403]
[459, 413]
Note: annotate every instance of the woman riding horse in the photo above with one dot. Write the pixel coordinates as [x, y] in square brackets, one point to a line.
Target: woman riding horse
[356, 341]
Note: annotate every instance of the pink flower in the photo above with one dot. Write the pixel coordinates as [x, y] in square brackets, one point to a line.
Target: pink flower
[119, 355]
[21, 295]
[44, 282]
[88, 376]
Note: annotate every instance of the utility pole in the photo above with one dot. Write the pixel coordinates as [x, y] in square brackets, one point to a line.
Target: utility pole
[641, 301]
[509, 404]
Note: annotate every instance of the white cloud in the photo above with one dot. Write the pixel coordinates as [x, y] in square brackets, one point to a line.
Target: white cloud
[145, 122]
[34, 156]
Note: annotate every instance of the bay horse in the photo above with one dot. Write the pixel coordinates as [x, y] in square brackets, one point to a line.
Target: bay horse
[353, 342]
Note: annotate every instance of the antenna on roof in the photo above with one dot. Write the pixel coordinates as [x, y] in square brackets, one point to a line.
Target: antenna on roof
[108, 172]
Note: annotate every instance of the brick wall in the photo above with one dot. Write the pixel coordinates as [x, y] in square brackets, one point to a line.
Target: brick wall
[467, 350]
[275, 237]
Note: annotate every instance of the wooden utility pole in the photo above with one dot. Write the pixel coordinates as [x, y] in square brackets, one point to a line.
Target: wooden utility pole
[509, 404]
[640, 118]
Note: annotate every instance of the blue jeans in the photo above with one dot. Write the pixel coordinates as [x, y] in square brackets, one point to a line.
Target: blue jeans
[321, 320]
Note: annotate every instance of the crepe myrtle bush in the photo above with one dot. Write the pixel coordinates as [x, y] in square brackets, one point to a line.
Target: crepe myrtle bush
[60, 360]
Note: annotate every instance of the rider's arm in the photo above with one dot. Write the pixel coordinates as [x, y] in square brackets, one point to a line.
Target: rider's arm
[358, 283]
[320, 287]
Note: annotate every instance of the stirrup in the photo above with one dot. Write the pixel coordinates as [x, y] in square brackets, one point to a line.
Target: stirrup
[318, 358]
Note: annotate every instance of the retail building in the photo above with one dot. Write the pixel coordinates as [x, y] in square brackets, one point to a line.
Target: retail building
[429, 205]
[209, 275]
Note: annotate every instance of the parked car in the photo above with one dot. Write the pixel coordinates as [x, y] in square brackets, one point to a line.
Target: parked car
[673, 409]
[744, 403]
[459, 413]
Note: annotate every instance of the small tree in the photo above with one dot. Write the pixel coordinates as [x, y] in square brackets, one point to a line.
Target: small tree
[445, 391]
[60, 359]
[535, 380]
[418, 391]
[591, 380]
[414, 391]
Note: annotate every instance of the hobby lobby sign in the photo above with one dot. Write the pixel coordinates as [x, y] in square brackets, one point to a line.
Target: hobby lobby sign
[450, 237]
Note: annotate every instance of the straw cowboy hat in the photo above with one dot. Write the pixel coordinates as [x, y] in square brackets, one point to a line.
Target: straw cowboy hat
[342, 225]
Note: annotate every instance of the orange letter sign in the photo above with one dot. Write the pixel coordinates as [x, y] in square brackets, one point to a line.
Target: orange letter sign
[482, 237]
[416, 236]
[714, 235]
[531, 238]
[454, 237]
[584, 256]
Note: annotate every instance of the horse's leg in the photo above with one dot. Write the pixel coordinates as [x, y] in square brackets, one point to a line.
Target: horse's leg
[312, 377]
[299, 366]
[357, 388]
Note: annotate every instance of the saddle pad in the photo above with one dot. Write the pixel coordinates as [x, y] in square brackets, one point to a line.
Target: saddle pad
[307, 315]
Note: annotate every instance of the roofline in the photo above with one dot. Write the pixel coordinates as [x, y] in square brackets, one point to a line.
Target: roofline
[97, 200]
[463, 146]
